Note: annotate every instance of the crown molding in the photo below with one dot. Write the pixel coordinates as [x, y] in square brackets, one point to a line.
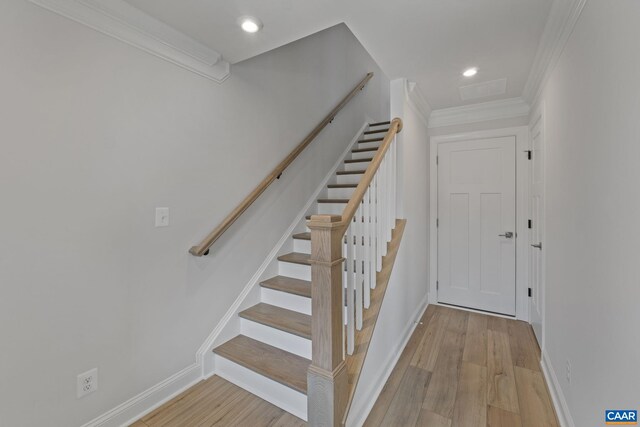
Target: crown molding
[562, 19]
[126, 23]
[482, 112]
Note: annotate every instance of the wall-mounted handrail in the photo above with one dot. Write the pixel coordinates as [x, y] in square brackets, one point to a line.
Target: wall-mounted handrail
[207, 242]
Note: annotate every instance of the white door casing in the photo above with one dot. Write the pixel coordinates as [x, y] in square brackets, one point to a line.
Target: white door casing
[536, 232]
[477, 224]
[521, 135]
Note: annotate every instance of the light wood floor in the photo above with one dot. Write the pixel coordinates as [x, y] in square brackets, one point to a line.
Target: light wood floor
[464, 369]
[459, 369]
[217, 402]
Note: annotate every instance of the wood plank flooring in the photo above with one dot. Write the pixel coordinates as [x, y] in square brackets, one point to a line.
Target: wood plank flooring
[462, 369]
[459, 369]
[217, 402]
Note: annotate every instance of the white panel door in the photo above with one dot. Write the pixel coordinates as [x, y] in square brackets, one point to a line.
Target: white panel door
[477, 224]
[536, 266]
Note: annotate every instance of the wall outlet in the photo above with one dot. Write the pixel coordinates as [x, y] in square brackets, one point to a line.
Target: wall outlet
[568, 371]
[87, 383]
[162, 217]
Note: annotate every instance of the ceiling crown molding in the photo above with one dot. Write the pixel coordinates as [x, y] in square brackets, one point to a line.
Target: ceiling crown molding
[474, 113]
[126, 23]
[562, 19]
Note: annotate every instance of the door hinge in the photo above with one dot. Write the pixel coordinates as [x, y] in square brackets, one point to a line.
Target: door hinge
[437, 285]
[437, 222]
[530, 293]
[437, 159]
[528, 154]
[529, 224]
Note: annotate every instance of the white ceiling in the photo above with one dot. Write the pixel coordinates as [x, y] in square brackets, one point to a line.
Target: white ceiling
[427, 41]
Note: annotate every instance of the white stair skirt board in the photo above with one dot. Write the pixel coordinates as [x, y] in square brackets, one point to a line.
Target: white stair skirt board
[276, 338]
[297, 271]
[340, 193]
[273, 392]
[286, 300]
[365, 398]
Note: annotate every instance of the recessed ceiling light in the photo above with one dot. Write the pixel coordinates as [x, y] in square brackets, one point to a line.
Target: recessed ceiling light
[470, 72]
[250, 24]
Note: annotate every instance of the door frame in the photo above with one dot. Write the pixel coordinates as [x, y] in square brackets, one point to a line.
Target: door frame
[521, 134]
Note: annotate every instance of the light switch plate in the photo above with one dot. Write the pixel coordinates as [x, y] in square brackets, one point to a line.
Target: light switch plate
[162, 217]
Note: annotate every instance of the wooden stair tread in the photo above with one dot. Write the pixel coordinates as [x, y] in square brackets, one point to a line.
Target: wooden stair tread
[342, 185]
[370, 132]
[296, 258]
[363, 150]
[358, 160]
[302, 236]
[286, 368]
[379, 123]
[279, 318]
[359, 172]
[289, 285]
[333, 200]
[364, 141]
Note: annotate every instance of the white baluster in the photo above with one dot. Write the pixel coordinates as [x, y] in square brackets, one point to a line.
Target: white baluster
[378, 221]
[350, 288]
[359, 258]
[367, 247]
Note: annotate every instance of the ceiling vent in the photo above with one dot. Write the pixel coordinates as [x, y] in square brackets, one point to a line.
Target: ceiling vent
[483, 90]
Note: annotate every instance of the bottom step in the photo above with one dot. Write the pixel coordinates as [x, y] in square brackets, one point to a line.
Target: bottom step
[270, 373]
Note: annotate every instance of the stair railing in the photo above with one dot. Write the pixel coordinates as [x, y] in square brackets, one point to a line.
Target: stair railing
[207, 242]
[363, 230]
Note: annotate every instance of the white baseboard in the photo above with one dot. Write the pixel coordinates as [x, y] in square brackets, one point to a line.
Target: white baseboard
[145, 402]
[358, 414]
[559, 402]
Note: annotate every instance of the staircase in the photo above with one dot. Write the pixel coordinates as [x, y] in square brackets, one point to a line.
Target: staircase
[272, 354]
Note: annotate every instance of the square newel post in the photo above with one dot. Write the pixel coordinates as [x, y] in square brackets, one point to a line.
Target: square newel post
[327, 375]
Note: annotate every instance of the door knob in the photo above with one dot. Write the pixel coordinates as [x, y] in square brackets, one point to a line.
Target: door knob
[539, 246]
[507, 234]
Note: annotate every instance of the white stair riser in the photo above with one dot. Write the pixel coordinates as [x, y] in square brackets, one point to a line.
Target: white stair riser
[273, 392]
[356, 166]
[363, 155]
[302, 246]
[276, 338]
[368, 145]
[340, 193]
[348, 179]
[286, 300]
[297, 271]
[331, 208]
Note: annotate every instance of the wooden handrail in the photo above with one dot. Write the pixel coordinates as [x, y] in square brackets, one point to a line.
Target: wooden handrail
[203, 247]
[357, 196]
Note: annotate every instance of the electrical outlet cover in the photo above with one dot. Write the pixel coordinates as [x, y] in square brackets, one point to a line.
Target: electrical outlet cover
[87, 383]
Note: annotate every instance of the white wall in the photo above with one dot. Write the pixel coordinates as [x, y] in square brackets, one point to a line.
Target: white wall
[592, 106]
[406, 295]
[95, 135]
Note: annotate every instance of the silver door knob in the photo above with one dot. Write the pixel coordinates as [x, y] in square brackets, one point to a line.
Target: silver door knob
[539, 246]
[507, 234]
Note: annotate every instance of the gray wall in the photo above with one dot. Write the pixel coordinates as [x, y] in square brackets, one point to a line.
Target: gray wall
[95, 135]
[592, 106]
